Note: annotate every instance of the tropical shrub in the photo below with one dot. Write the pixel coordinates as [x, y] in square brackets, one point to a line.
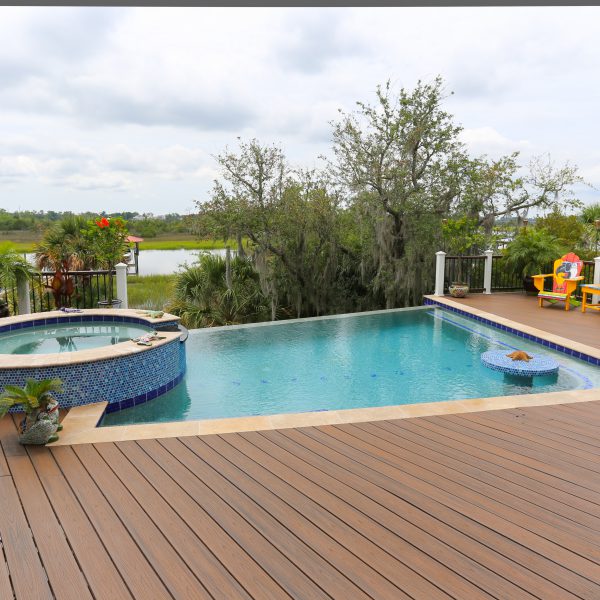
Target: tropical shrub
[532, 251]
[215, 291]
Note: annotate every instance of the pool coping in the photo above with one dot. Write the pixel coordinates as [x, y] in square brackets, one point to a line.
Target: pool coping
[80, 424]
[34, 361]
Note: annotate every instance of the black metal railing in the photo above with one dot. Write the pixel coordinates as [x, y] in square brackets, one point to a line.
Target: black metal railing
[88, 288]
[465, 269]
[471, 269]
[502, 279]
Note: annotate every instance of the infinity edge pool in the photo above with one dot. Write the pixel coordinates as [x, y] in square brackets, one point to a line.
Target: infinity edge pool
[82, 422]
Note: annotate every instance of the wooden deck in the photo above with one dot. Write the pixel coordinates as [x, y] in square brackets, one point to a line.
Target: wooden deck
[572, 324]
[502, 504]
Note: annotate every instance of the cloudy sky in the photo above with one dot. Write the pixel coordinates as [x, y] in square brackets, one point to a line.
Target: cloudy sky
[123, 109]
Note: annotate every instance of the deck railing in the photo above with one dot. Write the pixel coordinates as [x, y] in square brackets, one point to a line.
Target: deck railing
[89, 287]
[471, 270]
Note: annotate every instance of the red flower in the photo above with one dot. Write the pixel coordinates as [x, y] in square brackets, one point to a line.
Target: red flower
[103, 222]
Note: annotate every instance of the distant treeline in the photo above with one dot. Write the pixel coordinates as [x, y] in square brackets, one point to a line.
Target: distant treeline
[145, 225]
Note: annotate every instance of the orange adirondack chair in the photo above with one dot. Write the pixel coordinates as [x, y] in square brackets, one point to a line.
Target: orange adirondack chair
[565, 279]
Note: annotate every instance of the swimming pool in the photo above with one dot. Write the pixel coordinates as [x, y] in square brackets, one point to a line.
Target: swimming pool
[367, 360]
[68, 337]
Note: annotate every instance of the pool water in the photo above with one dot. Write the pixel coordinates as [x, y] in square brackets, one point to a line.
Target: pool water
[354, 361]
[68, 337]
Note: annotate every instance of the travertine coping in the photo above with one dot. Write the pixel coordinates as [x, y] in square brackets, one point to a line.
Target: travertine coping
[79, 426]
[31, 361]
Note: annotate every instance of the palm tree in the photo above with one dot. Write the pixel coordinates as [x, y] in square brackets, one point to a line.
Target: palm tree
[64, 241]
[209, 294]
[13, 266]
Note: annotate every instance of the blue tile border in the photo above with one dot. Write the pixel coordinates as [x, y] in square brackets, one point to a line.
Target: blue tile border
[83, 318]
[569, 351]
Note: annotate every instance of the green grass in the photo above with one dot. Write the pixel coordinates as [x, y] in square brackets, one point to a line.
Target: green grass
[24, 241]
[157, 244]
[150, 292]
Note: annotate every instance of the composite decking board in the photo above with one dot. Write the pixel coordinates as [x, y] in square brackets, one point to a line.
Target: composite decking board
[28, 578]
[465, 503]
[477, 523]
[507, 470]
[586, 498]
[64, 575]
[305, 544]
[457, 531]
[572, 470]
[500, 488]
[140, 577]
[282, 569]
[588, 459]
[499, 504]
[95, 562]
[387, 528]
[192, 550]
[538, 422]
[6, 590]
[251, 576]
[175, 574]
[460, 487]
[522, 421]
[338, 523]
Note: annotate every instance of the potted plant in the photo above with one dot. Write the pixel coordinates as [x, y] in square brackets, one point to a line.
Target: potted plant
[530, 253]
[40, 424]
[12, 267]
[108, 238]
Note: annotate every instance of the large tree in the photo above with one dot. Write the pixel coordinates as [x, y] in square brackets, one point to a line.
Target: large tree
[291, 219]
[403, 160]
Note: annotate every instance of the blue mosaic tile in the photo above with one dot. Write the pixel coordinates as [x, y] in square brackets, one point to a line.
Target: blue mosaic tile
[130, 379]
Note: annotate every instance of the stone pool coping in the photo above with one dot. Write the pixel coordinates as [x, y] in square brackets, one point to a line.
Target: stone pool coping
[32, 361]
[80, 424]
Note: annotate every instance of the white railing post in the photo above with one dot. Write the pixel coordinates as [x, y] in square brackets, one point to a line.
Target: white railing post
[596, 297]
[487, 273]
[121, 270]
[440, 267]
[23, 299]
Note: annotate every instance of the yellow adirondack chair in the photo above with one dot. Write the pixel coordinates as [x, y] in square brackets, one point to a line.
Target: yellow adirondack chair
[565, 279]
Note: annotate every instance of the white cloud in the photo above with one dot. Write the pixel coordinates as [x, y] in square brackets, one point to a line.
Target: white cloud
[135, 101]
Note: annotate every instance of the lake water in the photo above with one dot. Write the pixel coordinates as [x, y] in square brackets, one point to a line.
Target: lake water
[164, 262]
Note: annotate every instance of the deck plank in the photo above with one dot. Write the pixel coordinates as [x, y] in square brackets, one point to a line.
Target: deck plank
[440, 563]
[279, 564]
[193, 552]
[140, 577]
[254, 579]
[154, 543]
[96, 564]
[60, 565]
[441, 458]
[27, 574]
[454, 514]
[307, 555]
[497, 504]
[329, 523]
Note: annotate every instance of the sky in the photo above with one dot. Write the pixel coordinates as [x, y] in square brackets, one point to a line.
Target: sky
[124, 109]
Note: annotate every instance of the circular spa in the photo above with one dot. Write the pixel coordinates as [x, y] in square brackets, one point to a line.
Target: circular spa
[94, 354]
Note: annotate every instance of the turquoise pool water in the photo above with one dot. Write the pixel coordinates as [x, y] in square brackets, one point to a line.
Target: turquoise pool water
[68, 337]
[377, 359]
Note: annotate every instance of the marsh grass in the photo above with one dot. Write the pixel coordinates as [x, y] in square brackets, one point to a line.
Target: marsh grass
[150, 292]
[150, 244]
